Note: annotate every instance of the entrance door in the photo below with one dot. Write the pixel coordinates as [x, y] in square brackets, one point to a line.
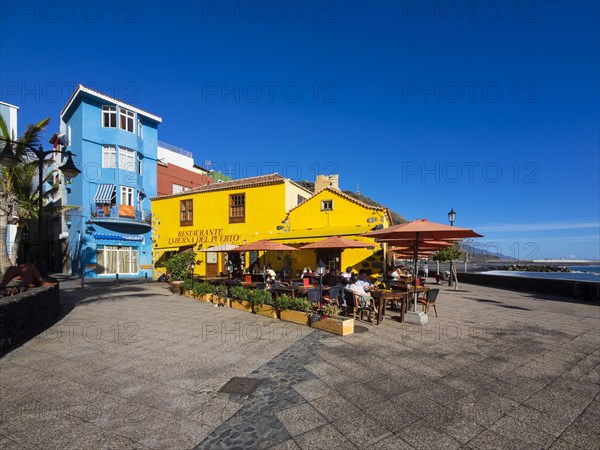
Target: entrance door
[212, 264]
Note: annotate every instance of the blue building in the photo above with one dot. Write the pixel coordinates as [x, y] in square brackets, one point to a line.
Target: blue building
[108, 219]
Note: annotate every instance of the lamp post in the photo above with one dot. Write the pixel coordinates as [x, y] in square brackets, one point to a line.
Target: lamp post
[320, 271]
[9, 159]
[229, 269]
[451, 219]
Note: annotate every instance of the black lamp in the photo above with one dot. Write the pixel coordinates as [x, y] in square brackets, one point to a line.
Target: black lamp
[452, 217]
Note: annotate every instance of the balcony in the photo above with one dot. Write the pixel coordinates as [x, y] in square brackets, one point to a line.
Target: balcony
[122, 214]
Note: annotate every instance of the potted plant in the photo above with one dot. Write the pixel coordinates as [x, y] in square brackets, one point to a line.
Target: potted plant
[186, 285]
[262, 303]
[179, 268]
[239, 298]
[204, 291]
[295, 310]
[328, 319]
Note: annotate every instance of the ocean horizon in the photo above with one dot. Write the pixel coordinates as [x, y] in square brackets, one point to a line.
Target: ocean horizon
[577, 273]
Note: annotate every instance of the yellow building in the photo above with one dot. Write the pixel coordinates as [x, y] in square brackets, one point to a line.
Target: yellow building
[330, 212]
[265, 207]
[232, 212]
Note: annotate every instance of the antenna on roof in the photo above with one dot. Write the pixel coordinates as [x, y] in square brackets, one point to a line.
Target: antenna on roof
[207, 164]
[357, 189]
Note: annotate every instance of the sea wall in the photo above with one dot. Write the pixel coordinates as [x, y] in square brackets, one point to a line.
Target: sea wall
[24, 315]
[578, 290]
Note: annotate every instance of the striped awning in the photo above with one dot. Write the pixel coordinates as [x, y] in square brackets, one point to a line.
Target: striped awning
[104, 193]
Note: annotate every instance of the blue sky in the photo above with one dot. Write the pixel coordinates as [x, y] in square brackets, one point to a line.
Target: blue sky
[490, 108]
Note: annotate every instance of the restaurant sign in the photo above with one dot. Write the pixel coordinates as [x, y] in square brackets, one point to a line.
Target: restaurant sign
[208, 236]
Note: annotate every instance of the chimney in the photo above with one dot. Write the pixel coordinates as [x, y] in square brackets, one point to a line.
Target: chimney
[326, 181]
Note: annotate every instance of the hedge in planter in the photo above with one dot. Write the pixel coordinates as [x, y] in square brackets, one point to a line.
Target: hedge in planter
[220, 296]
[295, 310]
[262, 303]
[204, 291]
[179, 266]
[328, 319]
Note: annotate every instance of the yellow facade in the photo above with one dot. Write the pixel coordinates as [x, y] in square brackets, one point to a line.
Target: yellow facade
[333, 213]
[266, 202]
[274, 208]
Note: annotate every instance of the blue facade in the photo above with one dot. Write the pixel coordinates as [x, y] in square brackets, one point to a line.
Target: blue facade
[110, 232]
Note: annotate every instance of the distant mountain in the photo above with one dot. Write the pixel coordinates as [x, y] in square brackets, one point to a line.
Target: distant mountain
[482, 254]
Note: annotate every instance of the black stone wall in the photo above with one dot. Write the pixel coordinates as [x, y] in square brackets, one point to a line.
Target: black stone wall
[578, 290]
[24, 315]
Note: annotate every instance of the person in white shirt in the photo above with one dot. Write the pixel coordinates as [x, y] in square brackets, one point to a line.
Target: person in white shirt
[425, 269]
[363, 297]
[346, 275]
[363, 280]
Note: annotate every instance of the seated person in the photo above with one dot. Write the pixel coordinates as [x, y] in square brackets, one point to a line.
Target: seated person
[395, 274]
[27, 273]
[330, 278]
[346, 275]
[364, 298]
[308, 273]
[270, 274]
[364, 281]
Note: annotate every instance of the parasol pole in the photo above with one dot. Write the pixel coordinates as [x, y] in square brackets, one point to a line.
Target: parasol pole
[415, 269]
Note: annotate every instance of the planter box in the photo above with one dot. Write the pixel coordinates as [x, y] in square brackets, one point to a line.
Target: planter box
[343, 327]
[268, 311]
[298, 317]
[206, 298]
[244, 306]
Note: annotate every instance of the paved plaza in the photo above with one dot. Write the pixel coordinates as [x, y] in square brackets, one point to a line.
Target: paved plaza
[135, 366]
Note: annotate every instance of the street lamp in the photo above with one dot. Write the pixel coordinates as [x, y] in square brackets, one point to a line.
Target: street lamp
[321, 271]
[451, 219]
[9, 159]
[229, 269]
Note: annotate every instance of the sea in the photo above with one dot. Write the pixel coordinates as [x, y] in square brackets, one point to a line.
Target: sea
[577, 273]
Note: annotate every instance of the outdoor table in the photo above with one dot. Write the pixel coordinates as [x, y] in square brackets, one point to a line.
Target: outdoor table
[382, 296]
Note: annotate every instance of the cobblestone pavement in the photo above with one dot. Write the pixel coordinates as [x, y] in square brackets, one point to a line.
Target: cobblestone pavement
[135, 366]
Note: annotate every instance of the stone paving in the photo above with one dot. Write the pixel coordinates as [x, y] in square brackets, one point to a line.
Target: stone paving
[135, 366]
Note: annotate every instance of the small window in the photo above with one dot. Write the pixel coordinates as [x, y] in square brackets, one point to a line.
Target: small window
[326, 205]
[301, 199]
[109, 116]
[177, 188]
[139, 129]
[126, 159]
[237, 208]
[140, 199]
[139, 164]
[186, 215]
[126, 196]
[126, 118]
[109, 156]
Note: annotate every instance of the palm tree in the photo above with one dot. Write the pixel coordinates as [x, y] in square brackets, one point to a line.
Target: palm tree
[18, 186]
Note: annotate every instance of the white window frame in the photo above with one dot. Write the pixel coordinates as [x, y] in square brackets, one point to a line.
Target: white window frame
[109, 156]
[139, 129]
[131, 264]
[324, 206]
[109, 111]
[177, 188]
[126, 196]
[129, 118]
[126, 159]
[138, 163]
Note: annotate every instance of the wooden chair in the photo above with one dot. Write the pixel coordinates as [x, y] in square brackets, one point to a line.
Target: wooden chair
[429, 300]
[332, 296]
[353, 305]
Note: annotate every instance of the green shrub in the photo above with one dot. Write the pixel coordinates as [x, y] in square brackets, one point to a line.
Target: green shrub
[221, 290]
[239, 293]
[300, 304]
[331, 310]
[201, 289]
[187, 284]
[283, 302]
[258, 297]
[179, 266]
